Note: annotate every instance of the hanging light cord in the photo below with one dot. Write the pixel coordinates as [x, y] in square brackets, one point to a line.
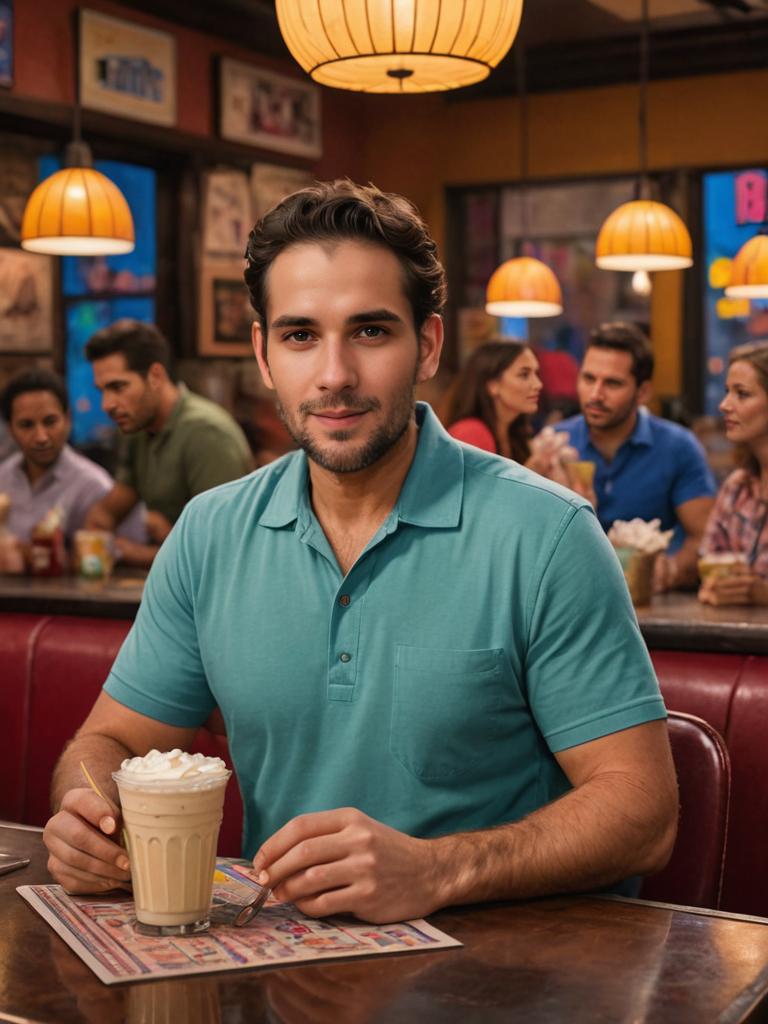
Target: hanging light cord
[522, 95]
[642, 109]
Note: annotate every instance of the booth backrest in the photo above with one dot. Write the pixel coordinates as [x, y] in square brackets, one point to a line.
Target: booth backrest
[51, 669]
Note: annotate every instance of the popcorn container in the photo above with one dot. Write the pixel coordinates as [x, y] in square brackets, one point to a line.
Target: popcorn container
[638, 569]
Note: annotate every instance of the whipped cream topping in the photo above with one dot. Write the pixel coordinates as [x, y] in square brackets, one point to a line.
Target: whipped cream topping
[173, 764]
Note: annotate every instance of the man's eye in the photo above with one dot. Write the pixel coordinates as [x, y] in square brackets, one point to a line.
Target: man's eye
[300, 336]
[372, 331]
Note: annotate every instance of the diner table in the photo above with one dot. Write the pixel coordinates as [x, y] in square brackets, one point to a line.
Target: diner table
[574, 959]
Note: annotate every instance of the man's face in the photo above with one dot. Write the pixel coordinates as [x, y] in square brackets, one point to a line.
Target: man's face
[608, 391]
[342, 351]
[39, 426]
[126, 396]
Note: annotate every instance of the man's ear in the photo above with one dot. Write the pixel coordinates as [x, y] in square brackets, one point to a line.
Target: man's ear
[430, 346]
[645, 393]
[257, 341]
[157, 375]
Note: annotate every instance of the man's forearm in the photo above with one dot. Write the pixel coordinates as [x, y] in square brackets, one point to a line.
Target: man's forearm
[99, 517]
[686, 564]
[102, 755]
[584, 841]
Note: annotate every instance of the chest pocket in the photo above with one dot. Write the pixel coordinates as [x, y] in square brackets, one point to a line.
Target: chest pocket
[447, 708]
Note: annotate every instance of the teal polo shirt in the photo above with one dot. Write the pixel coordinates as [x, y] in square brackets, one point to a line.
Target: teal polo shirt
[485, 627]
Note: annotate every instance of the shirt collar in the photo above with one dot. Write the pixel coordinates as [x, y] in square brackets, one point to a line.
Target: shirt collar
[431, 495]
[642, 432]
[57, 471]
[175, 411]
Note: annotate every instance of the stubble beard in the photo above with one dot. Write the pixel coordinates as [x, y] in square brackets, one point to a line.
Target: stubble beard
[350, 460]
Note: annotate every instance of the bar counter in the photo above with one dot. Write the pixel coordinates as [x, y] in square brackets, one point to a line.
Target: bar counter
[576, 959]
[674, 621]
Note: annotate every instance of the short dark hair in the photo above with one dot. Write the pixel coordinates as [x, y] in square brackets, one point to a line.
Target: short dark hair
[626, 337]
[32, 380]
[335, 211]
[141, 343]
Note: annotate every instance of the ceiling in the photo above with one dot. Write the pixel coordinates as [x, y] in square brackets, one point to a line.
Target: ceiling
[569, 43]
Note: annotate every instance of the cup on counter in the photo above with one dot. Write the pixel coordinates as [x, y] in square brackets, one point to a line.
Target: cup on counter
[172, 828]
[724, 563]
[94, 554]
[581, 472]
[638, 569]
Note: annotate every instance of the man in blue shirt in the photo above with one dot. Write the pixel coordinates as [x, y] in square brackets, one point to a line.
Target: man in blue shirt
[646, 467]
[434, 687]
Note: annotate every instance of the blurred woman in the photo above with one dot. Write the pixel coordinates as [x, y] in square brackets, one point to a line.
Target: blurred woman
[738, 522]
[492, 397]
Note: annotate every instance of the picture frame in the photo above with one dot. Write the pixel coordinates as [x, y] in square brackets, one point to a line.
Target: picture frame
[225, 315]
[227, 216]
[262, 108]
[26, 302]
[271, 183]
[6, 42]
[126, 69]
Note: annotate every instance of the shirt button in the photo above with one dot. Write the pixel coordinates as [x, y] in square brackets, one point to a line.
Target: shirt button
[345, 657]
[344, 600]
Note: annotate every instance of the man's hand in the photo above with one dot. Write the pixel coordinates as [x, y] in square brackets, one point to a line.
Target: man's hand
[80, 856]
[129, 552]
[342, 861]
[741, 587]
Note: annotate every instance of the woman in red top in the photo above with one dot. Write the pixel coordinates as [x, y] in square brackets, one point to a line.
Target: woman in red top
[491, 399]
[738, 523]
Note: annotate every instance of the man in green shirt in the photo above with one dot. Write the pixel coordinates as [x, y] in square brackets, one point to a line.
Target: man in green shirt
[433, 683]
[178, 444]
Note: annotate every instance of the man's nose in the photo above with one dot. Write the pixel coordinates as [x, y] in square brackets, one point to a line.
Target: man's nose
[40, 435]
[337, 369]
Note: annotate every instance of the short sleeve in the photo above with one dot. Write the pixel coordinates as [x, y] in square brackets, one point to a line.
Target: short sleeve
[588, 672]
[693, 477]
[159, 671]
[474, 432]
[717, 533]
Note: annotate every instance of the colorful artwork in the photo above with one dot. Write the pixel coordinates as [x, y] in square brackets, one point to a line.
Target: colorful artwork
[262, 108]
[735, 207]
[126, 69]
[100, 930]
[225, 312]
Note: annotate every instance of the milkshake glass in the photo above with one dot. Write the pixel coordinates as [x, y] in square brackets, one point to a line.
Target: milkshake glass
[172, 805]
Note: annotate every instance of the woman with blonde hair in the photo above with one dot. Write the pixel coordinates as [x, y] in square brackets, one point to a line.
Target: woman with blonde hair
[738, 523]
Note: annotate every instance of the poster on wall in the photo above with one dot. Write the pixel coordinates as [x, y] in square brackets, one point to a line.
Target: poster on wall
[6, 42]
[225, 314]
[126, 69]
[271, 183]
[735, 208]
[227, 213]
[26, 302]
[265, 109]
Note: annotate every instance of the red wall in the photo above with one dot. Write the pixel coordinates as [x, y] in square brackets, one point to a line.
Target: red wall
[44, 54]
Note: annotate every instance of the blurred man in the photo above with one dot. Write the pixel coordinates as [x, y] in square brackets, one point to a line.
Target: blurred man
[646, 467]
[46, 471]
[433, 684]
[178, 444]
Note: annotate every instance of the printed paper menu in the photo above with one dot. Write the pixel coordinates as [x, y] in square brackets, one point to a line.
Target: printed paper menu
[100, 930]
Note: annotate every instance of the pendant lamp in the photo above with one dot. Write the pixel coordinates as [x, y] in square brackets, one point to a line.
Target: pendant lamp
[643, 234]
[402, 46]
[77, 211]
[749, 270]
[523, 286]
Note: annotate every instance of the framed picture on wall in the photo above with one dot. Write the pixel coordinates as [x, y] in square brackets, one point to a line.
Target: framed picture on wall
[26, 301]
[227, 217]
[271, 183]
[225, 314]
[6, 42]
[126, 69]
[262, 108]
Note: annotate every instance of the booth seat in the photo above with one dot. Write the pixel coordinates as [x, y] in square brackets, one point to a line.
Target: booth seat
[52, 667]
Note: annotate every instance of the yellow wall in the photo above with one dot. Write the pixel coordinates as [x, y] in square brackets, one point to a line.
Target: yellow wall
[419, 145]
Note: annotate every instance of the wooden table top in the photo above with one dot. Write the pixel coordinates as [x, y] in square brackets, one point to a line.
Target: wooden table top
[569, 959]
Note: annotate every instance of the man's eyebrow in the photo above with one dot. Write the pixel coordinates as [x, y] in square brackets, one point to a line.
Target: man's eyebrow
[366, 317]
[292, 321]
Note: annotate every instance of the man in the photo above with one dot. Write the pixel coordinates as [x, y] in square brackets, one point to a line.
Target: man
[45, 471]
[646, 467]
[432, 681]
[179, 444]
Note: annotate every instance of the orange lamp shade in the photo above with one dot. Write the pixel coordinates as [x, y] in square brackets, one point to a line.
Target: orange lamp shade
[77, 211]
[749, 270]
[643, 235]
[523, 287]
[402, 46]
